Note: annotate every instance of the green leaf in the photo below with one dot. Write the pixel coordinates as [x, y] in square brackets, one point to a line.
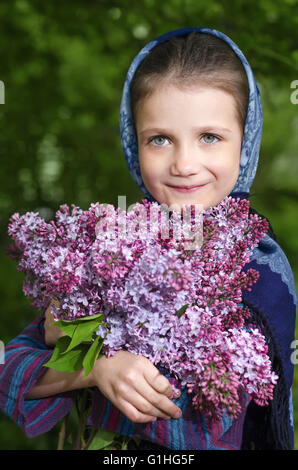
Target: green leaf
[124, 442]
[68, 326]
[181, 310]
[83, 332]
[102, 439]
[70, 362]
[92, 355]
[99, 316]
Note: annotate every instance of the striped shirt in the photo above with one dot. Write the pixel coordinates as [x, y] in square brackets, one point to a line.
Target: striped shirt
[25, 356]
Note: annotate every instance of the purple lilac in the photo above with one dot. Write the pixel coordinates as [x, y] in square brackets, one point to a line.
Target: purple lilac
[140, 282]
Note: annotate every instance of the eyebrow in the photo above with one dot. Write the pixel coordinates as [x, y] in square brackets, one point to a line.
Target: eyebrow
[207, 128]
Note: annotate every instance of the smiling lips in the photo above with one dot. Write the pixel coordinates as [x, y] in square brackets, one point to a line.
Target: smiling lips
[186, 189]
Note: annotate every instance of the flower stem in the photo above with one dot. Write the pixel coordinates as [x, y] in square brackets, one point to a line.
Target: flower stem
[90, 438]
[81, 426]
[62, 434]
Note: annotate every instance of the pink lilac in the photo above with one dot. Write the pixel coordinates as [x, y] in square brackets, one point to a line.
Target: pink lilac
[141, 281]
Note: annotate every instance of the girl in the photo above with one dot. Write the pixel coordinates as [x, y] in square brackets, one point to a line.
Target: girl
[190, 123]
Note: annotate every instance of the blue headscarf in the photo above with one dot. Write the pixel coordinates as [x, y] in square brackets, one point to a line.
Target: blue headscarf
[273, 298]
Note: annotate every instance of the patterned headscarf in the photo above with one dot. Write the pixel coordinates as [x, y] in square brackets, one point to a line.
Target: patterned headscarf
[273, 298]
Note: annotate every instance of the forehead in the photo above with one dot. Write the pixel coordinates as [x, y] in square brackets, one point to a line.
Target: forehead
[182, 106]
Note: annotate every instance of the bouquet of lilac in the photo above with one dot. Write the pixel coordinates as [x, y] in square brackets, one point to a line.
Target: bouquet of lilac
[175, 303]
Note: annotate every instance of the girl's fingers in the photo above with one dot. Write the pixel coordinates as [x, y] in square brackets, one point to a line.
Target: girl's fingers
[52, 332]
[132, 413]
[159, 401]
[136, 387]
[158, 381]
[140, 401]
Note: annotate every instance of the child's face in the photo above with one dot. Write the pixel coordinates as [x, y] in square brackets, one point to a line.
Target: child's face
[181, 143]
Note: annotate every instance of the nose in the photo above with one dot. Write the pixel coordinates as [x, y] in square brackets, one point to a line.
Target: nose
[185, 161]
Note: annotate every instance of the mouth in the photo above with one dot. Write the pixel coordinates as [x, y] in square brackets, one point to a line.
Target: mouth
[187, 189]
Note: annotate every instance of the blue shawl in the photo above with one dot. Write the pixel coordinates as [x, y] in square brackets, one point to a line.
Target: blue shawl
[273, 299]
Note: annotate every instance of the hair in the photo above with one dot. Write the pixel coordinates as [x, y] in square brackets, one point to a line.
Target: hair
[188, 60]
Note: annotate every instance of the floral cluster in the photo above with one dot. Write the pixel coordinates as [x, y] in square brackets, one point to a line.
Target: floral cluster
[181, 308]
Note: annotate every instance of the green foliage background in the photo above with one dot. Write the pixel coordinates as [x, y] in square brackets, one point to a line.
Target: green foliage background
[64, 64]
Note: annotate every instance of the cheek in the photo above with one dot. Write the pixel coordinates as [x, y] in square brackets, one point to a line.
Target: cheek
[150, 168]
[233, 161]
[142, 163]
[147, 172]
[227, 171]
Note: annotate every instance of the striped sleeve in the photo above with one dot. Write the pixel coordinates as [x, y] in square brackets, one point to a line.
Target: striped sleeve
[24, 358]
[189, 432]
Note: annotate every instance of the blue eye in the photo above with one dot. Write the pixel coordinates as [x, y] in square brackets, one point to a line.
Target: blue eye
[210, 135]
[158, 137]
[159, 140]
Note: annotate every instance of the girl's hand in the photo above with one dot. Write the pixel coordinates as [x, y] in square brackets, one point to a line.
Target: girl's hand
[131, 382]
[135, 386]
[52, 332]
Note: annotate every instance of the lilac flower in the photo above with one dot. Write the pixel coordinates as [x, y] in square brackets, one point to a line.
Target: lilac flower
[177, 307]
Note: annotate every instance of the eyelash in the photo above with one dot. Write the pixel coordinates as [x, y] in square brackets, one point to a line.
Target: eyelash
[163, 136]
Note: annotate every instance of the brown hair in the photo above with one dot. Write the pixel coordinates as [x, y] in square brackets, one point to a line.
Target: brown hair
[197, 58]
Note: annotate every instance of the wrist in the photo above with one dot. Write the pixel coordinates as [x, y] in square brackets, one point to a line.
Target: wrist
[95, 372]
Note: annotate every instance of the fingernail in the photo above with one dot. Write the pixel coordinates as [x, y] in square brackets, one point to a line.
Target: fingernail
[178, 414]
